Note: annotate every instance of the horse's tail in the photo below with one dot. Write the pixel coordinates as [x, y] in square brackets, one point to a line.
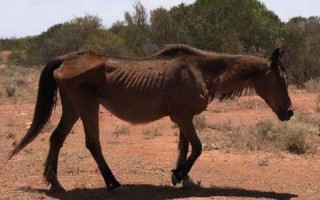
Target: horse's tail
[47, 96]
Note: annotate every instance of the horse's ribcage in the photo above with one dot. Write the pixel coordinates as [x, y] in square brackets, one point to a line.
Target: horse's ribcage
[137, 78]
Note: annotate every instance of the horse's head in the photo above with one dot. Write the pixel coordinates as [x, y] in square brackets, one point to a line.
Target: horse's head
[271, 85]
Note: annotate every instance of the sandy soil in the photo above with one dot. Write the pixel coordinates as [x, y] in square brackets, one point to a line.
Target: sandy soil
[142, 157]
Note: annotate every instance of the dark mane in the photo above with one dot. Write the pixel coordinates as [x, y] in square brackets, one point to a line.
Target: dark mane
[174, 49]
[235, 94]
[250, 67]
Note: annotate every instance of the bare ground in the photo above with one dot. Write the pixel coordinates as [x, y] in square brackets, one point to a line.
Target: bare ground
[142, 157]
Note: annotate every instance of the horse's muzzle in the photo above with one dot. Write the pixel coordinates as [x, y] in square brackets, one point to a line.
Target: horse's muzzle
[285, 115]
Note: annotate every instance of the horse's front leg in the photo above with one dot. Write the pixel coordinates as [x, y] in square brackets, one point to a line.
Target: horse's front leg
[184, 164]
[183, 148]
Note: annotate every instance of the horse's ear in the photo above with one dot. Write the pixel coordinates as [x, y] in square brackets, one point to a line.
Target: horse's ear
[277, 54]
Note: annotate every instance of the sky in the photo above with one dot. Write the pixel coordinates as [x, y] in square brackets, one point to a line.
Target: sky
[19, 18]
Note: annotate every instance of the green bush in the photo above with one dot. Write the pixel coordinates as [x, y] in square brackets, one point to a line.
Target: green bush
[17, 58]
[82, 33]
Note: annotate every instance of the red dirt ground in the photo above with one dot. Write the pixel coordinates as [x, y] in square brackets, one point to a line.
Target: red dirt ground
[142, 160]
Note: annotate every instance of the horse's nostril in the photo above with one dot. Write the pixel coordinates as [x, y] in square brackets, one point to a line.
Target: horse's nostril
[290, 113]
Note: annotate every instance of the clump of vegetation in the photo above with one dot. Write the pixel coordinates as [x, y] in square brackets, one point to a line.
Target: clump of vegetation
[10, 90]
[298, 136]
[288, 137]
[17, 58]
[152, 132]
[16, 84]
[221, 127]
[200, 122]
[122, 130]
[313, 85]
[295, 143]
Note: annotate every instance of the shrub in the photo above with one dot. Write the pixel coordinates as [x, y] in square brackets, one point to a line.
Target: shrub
[151, 132]
[123, 130]
[265, 130]
[199, 122]
[295, 143]
[17, 58]
[10, 90]
[313, 85]
[298, 136]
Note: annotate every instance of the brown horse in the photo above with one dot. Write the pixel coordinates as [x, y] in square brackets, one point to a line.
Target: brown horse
[178, 81]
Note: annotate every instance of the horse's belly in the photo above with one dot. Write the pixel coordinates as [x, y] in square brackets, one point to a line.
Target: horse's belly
[136, 110]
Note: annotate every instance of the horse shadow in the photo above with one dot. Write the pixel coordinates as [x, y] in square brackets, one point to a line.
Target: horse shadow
[155, 192]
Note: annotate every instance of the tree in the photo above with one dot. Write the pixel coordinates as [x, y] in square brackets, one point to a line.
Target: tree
[302, 41]
[81, 33]
[161, 28]
[137, 32]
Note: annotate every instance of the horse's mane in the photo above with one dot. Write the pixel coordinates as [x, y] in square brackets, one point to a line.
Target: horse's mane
[174, 49]
[235, 94]
[244, 87]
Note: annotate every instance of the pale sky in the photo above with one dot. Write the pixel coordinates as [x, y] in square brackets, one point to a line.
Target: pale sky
[19, 18]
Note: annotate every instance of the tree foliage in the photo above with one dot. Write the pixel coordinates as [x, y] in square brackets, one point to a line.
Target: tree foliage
[230, 26]
[302, 40]
[81, 33]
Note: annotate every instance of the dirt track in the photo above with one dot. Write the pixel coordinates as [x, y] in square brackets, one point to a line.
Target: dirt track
[142, 157]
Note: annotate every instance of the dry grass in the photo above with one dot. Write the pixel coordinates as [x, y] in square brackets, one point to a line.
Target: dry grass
[151, 132]
[10, 90]
[122, 130]
[18, 84]
[298, 136]
[313, 85]
[199, 122]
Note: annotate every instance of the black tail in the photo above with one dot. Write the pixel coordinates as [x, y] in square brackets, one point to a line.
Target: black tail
[47, 96]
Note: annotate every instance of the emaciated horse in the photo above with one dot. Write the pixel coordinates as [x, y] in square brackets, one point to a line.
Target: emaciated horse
[178, 81]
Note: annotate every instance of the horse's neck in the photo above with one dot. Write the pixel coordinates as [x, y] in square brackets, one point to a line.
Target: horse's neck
[227, 84]
[227, 77]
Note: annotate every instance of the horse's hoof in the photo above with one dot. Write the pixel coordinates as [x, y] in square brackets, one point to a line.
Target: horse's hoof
[114, 185]
[57, 189]
[177, 177]
[188, 183]
[174, 179]
[119, 190]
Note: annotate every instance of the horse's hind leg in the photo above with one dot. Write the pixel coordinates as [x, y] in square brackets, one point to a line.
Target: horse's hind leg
[68, 119]
[87, 106]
